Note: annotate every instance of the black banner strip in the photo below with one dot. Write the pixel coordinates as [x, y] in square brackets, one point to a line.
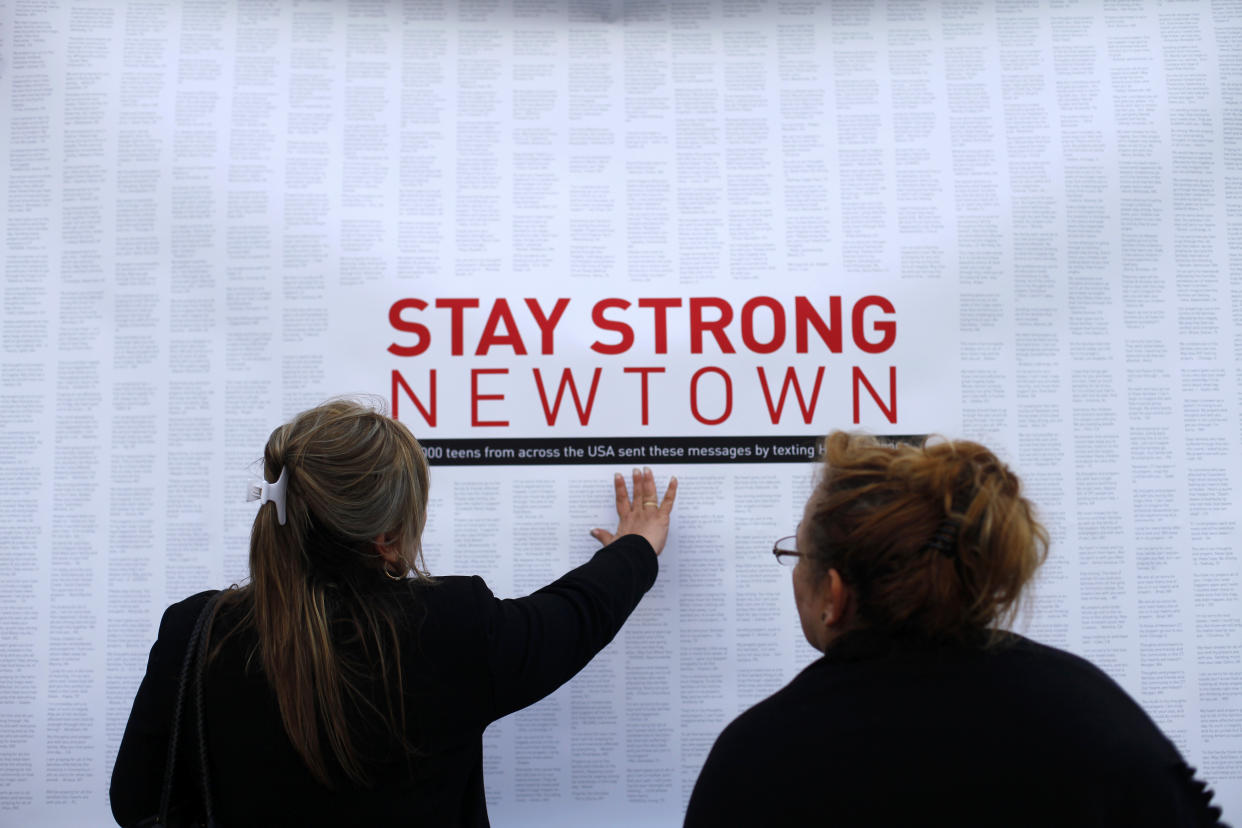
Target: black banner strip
[593, 451]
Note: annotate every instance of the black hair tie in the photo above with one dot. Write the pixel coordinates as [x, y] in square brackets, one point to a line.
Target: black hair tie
[944, 540]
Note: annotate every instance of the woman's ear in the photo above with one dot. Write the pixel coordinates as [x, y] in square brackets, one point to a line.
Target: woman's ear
[837, 599]
[387, 549]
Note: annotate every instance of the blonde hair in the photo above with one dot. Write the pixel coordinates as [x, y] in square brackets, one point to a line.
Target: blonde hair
[353, 474]
[935, 539]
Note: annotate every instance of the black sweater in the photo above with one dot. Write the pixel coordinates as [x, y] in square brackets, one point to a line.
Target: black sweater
[468, 659]
[887, 732]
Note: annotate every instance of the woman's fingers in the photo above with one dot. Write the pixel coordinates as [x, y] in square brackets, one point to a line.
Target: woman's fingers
[670, 494]
[649, 488]
[623, 496]
[643, 513]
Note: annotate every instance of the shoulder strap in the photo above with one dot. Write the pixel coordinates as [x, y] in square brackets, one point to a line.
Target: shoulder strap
[173, 739]
[205, 777]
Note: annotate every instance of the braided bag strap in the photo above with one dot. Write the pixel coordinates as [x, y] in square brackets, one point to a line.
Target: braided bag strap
[187, 666]
[199, 706]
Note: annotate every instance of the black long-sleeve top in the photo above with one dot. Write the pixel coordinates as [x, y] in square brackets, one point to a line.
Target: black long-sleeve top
[889, 732]
[467, 660]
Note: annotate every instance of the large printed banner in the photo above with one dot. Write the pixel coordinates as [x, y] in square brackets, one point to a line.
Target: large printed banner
[560, 240]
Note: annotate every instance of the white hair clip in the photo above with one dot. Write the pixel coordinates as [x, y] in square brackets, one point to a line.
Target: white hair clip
[263, 491]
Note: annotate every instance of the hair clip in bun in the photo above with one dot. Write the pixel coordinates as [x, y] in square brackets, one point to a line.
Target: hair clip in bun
[944, 540]
[263, 492]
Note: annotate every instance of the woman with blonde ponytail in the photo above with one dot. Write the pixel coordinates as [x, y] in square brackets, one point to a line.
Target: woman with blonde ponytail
[908, 565]
[343, 684]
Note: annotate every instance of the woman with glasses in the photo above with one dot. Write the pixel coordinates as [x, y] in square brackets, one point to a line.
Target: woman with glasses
[908, 563]
[343, 684]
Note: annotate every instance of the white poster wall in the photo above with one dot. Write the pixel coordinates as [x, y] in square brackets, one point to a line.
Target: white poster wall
[563, 240]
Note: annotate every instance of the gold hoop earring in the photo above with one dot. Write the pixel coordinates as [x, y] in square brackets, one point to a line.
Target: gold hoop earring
[392, 577]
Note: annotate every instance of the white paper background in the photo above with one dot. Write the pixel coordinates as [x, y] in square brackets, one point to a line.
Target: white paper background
[209, 209]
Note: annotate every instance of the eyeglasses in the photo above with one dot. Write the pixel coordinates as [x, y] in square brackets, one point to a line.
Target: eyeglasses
[786, 551]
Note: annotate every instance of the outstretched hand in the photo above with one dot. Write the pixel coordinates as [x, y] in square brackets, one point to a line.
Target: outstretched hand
[644, 514]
